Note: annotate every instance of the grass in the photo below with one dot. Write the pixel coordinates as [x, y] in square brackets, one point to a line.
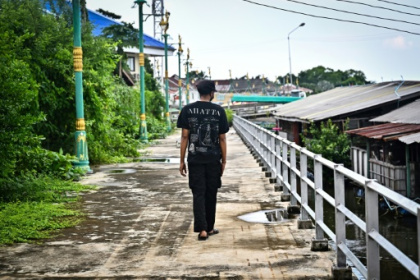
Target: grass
[34, 208]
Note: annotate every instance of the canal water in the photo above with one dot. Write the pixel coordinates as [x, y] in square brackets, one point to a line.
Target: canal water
[400, 231]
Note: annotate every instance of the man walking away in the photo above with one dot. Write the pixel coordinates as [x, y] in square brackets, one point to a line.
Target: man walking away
[204, 127]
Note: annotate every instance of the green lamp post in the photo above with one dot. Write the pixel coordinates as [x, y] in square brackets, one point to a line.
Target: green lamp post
[164, 24]
[143, 123]
[180, 51]
[263, 85]
[209, 73]
[231, 87]
[187, 64]
[81, 149]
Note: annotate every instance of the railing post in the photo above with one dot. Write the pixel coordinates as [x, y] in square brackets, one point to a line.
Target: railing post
[319, 243]
[266, 154]
[372, 225]
[340, 218]
[279, 177]
[303, 186]
[418, 237]
[286, 193]
[293, 184]
[319, 203]
[273, 158]
[304, 222]
[293, 207]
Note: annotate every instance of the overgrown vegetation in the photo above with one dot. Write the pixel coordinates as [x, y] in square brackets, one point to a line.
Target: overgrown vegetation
[328, 140]
[37, 114]
[229, 116]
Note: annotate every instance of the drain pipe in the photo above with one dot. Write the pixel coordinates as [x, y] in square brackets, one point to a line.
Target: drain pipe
[396, 91]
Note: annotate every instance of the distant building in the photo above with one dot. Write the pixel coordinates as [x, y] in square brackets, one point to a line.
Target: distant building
[359, 104]
[390, 152]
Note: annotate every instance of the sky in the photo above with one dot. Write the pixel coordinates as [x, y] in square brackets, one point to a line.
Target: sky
[246, 38]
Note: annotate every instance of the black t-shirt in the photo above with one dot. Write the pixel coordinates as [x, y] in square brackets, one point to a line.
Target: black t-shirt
[205, 122]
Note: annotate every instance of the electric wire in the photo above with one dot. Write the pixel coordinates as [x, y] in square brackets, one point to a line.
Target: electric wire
[352, 13]
[379, 7]
[408, 6]
[329, 18]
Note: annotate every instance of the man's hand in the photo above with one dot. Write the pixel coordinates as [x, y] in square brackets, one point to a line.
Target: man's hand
[223, 168]
[183, 169]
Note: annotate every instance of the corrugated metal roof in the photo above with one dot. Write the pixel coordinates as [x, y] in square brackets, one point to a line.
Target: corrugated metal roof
[410, 139]
[386, 132]
[344, 101]
[407, 114]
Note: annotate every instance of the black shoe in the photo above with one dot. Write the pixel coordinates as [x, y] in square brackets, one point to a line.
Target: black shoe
[202, 238]
[214, 231]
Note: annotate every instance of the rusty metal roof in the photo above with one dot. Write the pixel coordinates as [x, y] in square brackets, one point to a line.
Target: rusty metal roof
[407, 114]
[386, 132]
[345, 101]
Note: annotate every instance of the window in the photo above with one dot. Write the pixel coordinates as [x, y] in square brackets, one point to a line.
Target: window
[131, 63]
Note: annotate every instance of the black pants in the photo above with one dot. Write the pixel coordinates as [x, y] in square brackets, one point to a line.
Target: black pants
[204, 181]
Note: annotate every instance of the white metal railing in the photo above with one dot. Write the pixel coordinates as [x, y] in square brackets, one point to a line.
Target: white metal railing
[279, 156]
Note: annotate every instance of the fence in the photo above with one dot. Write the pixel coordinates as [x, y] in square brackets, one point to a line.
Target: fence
[280, 157]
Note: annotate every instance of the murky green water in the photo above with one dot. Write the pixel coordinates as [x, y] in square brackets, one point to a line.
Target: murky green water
[400, 231]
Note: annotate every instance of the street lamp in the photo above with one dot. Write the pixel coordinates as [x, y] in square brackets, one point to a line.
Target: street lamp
[263, 85]
[180, 51]
[209, 73]
[290, 60]
[187, 70]
[143, 124]
[81, 148]
[164, 24]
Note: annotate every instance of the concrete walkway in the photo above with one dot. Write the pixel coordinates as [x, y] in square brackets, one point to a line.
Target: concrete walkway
[139, 226]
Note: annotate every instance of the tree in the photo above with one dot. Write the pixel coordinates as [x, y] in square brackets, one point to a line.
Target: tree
[125, 35]
[197, 75]
[322, 78]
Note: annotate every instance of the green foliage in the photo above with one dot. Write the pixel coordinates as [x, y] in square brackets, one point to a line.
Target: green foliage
[26, 221]
[197, 75]
[329, 141]
[229, 115]
[33, 207]
[156, 128]
[41, 161]
[29, 187]
[38, 93]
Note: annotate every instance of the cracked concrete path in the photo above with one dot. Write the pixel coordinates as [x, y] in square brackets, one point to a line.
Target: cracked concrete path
[139, 226]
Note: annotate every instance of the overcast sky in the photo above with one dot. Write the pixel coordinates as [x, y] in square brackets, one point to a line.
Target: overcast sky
[248, 38]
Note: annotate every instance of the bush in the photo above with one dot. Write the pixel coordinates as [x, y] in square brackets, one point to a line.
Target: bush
[229, 115]
[329, 141]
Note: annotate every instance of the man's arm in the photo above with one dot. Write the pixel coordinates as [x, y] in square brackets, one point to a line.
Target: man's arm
[223, 148]
[184, 144]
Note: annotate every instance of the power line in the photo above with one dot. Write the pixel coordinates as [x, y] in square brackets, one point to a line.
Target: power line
[379, 7]
[408, 6]
[352, 13]
[336, 19]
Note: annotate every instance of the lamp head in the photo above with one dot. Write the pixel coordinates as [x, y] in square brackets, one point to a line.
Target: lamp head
[164, 24]
[302, 24]
[180, 50]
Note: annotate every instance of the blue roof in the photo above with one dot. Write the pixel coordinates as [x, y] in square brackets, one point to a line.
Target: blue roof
[100, 22]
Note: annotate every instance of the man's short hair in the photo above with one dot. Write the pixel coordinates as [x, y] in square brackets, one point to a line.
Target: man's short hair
[206, 87]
